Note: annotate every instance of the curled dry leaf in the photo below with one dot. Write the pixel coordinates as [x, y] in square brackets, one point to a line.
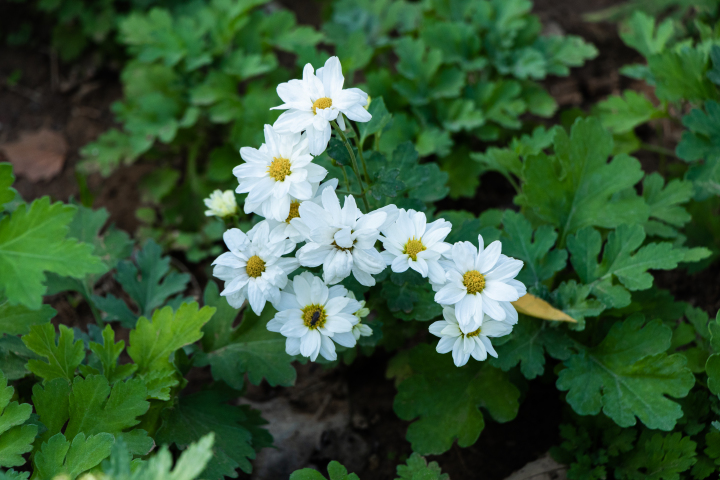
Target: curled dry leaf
[37, 155]
[535, 307]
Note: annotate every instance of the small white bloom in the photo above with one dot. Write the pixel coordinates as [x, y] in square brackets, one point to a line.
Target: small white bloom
[221, 204]
[286, 229]
[311, 316]
[360, 329]
[478, 282]
[316, 100]
[463, 345]
[412, 243]
[280, 170]
[342, 240]
[254, 267]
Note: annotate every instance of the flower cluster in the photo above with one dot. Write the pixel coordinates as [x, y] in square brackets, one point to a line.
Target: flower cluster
[474, 285]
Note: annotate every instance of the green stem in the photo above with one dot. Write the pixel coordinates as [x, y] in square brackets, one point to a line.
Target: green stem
[347, 192]
[360, 153]
[347, 180]
[354, 164]
[658, 149]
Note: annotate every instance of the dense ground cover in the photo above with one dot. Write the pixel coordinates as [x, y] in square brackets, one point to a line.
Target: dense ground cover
[587, 149]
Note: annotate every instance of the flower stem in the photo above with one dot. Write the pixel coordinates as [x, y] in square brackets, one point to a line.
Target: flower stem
[360, 153]
[354, 164]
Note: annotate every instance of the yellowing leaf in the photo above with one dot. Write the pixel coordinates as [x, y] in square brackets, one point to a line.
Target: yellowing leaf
[535, 307]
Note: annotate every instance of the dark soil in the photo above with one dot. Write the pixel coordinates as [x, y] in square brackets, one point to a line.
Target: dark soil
[74, 100]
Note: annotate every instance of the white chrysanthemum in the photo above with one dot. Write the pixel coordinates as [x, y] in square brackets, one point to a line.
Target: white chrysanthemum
[412, 243]
[360, 329]
[316, 100]
[478, 283]
[281, 169]
[221, 204]
[254, 267]
[281, 230]
[310, 314]
[342, 240]
[464, 345]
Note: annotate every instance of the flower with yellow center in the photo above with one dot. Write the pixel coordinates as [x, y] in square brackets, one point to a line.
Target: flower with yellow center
[478, 282]
[411, 242]
[312, 316]
[221, 204]
[318, 99]
[254, 269]
[464, 345]
[279, 172]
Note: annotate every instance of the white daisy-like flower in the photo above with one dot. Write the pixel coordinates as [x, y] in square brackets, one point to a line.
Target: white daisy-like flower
[286, 229]
[221, 204]
[360, 329]
[411, 242]
[342, 240]
[316, 100]
[254, 268]
[311, 316]
[464, 345]
[281, 169]
[478, 283]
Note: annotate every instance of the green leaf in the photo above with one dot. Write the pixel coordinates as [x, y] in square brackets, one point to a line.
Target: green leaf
[15, 438]
[108, 354]
[627, 375]
[252, 350]
[679, 75]
[380, 118]
[447, 400]
[712, 367]
[218, 332]
[52, 404]
[666, 212]
[528, 343]
[518, 242]
[417, 468]
[59, 457]
[623, 114]
[17, 319]
[63, 358]
[235, 428]
[7, 193]
[640, 33]
[623, 259]
[662, 457]
[156, 282]
[699, 143]
[33, 241]
[153, 341]
[576, 187]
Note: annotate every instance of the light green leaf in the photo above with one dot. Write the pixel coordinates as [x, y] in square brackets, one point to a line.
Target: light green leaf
[17, 319]
[666, 212]
[623, 114]
[58, 456]
[153, 341]
[417, 468]
[108, 354]
[15, 438]
[7, 193]
[575, 188]
[33, 241]
[63, 358]
[446, 400]
[640, 33]
[629, 374]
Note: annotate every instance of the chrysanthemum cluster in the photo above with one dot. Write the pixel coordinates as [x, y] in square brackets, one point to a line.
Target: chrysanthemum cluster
[306, 225]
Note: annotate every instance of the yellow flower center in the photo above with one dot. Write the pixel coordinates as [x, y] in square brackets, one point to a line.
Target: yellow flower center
[279, 169]
[294, 211]
[474, 334]
[474, 281]
[255, 266]
[314, 316]
[322, 103]
[413, 247]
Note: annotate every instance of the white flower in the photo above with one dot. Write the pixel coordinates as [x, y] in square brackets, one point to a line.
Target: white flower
[221, 204]
[342, 240]
[254, 267]
[310, 314]
[360, 329]
[463, 345]
[411, 243]
[316, 100]
[286, 229]
[479, 283]
[279, 170]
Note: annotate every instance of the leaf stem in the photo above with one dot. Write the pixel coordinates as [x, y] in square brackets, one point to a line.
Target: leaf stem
[354, 163]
